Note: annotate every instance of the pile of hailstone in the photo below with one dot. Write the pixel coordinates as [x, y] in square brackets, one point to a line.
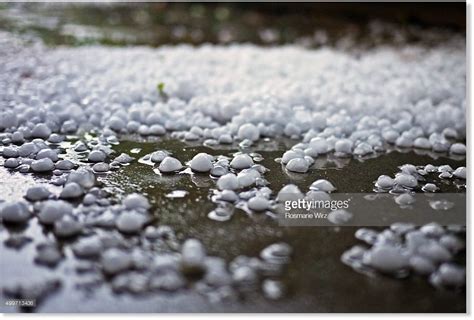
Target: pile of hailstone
[403, 250]
[329, 100]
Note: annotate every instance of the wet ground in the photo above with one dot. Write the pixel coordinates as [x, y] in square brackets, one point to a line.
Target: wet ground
[316, 280]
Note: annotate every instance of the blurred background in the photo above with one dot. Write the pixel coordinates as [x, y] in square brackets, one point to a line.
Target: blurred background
[344, 25]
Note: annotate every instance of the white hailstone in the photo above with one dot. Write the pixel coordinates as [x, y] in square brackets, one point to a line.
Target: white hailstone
[17, 137]
[317, 196]
[384, 182]
[310, 152]
[248, 177]
[369, 236]
[430, 168]
[156, 130]
[390, 136]
[460, 173]
[71, 190]
[452, 243]
[218, 171]
[64, 165]
[445, 175]
[159, 156]
[450, 275]
[48, 255]
[114, 261]
[340, 216]
[116, 124]
[322, 185]
[47, 153]
[42, 165]
[189, 136]
[88, 247]
[14, 212]
[277, 253]
[404, 141]
[435, 252]
[241, 161]
[170, 164]
[319, 145]
[55, 138]
[405, 199]
[422, 265]
[408, 169]
[41, 130]
[10, 152]
[54, 210]
[290, 192]
[433, 229]
[225, 139]
[27, 149]
[136, 201]
[272, 289]
[221, 214]
[193, 257]
[386, 259]
[290, 155]
[37, 193]
[228, 195]
[422, 143]
[458, 148]
[248, 131]
[123, 158]
[244, 275]
[130, 221]
[67, 226]
[445, 168]
[343, 146]
[83, 177]
[100, 167]
[450, 133]
[202, 162]
[430, 187]
[258, 203]
[96, 156]
[11, 163]
[89, 199]
[363, 149]
[406, 180]
[299, 165]
[228, 182]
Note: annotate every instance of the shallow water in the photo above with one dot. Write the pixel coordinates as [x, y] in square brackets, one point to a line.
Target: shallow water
[316, 280]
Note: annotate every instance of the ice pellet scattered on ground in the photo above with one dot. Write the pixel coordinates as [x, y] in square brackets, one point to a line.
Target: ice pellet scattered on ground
[71, 190]
[258, 203]
[202, 162]
[14, 212]
[228, 182]
[54, 210]
[115, 260]
[42, 165]
[299, 165]
[322, 185]
[428, 251]
[131, 221]
[340, 216]
[241, 161]
[37, 193]
[136, 201]
[193, 255]
[170, 164]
